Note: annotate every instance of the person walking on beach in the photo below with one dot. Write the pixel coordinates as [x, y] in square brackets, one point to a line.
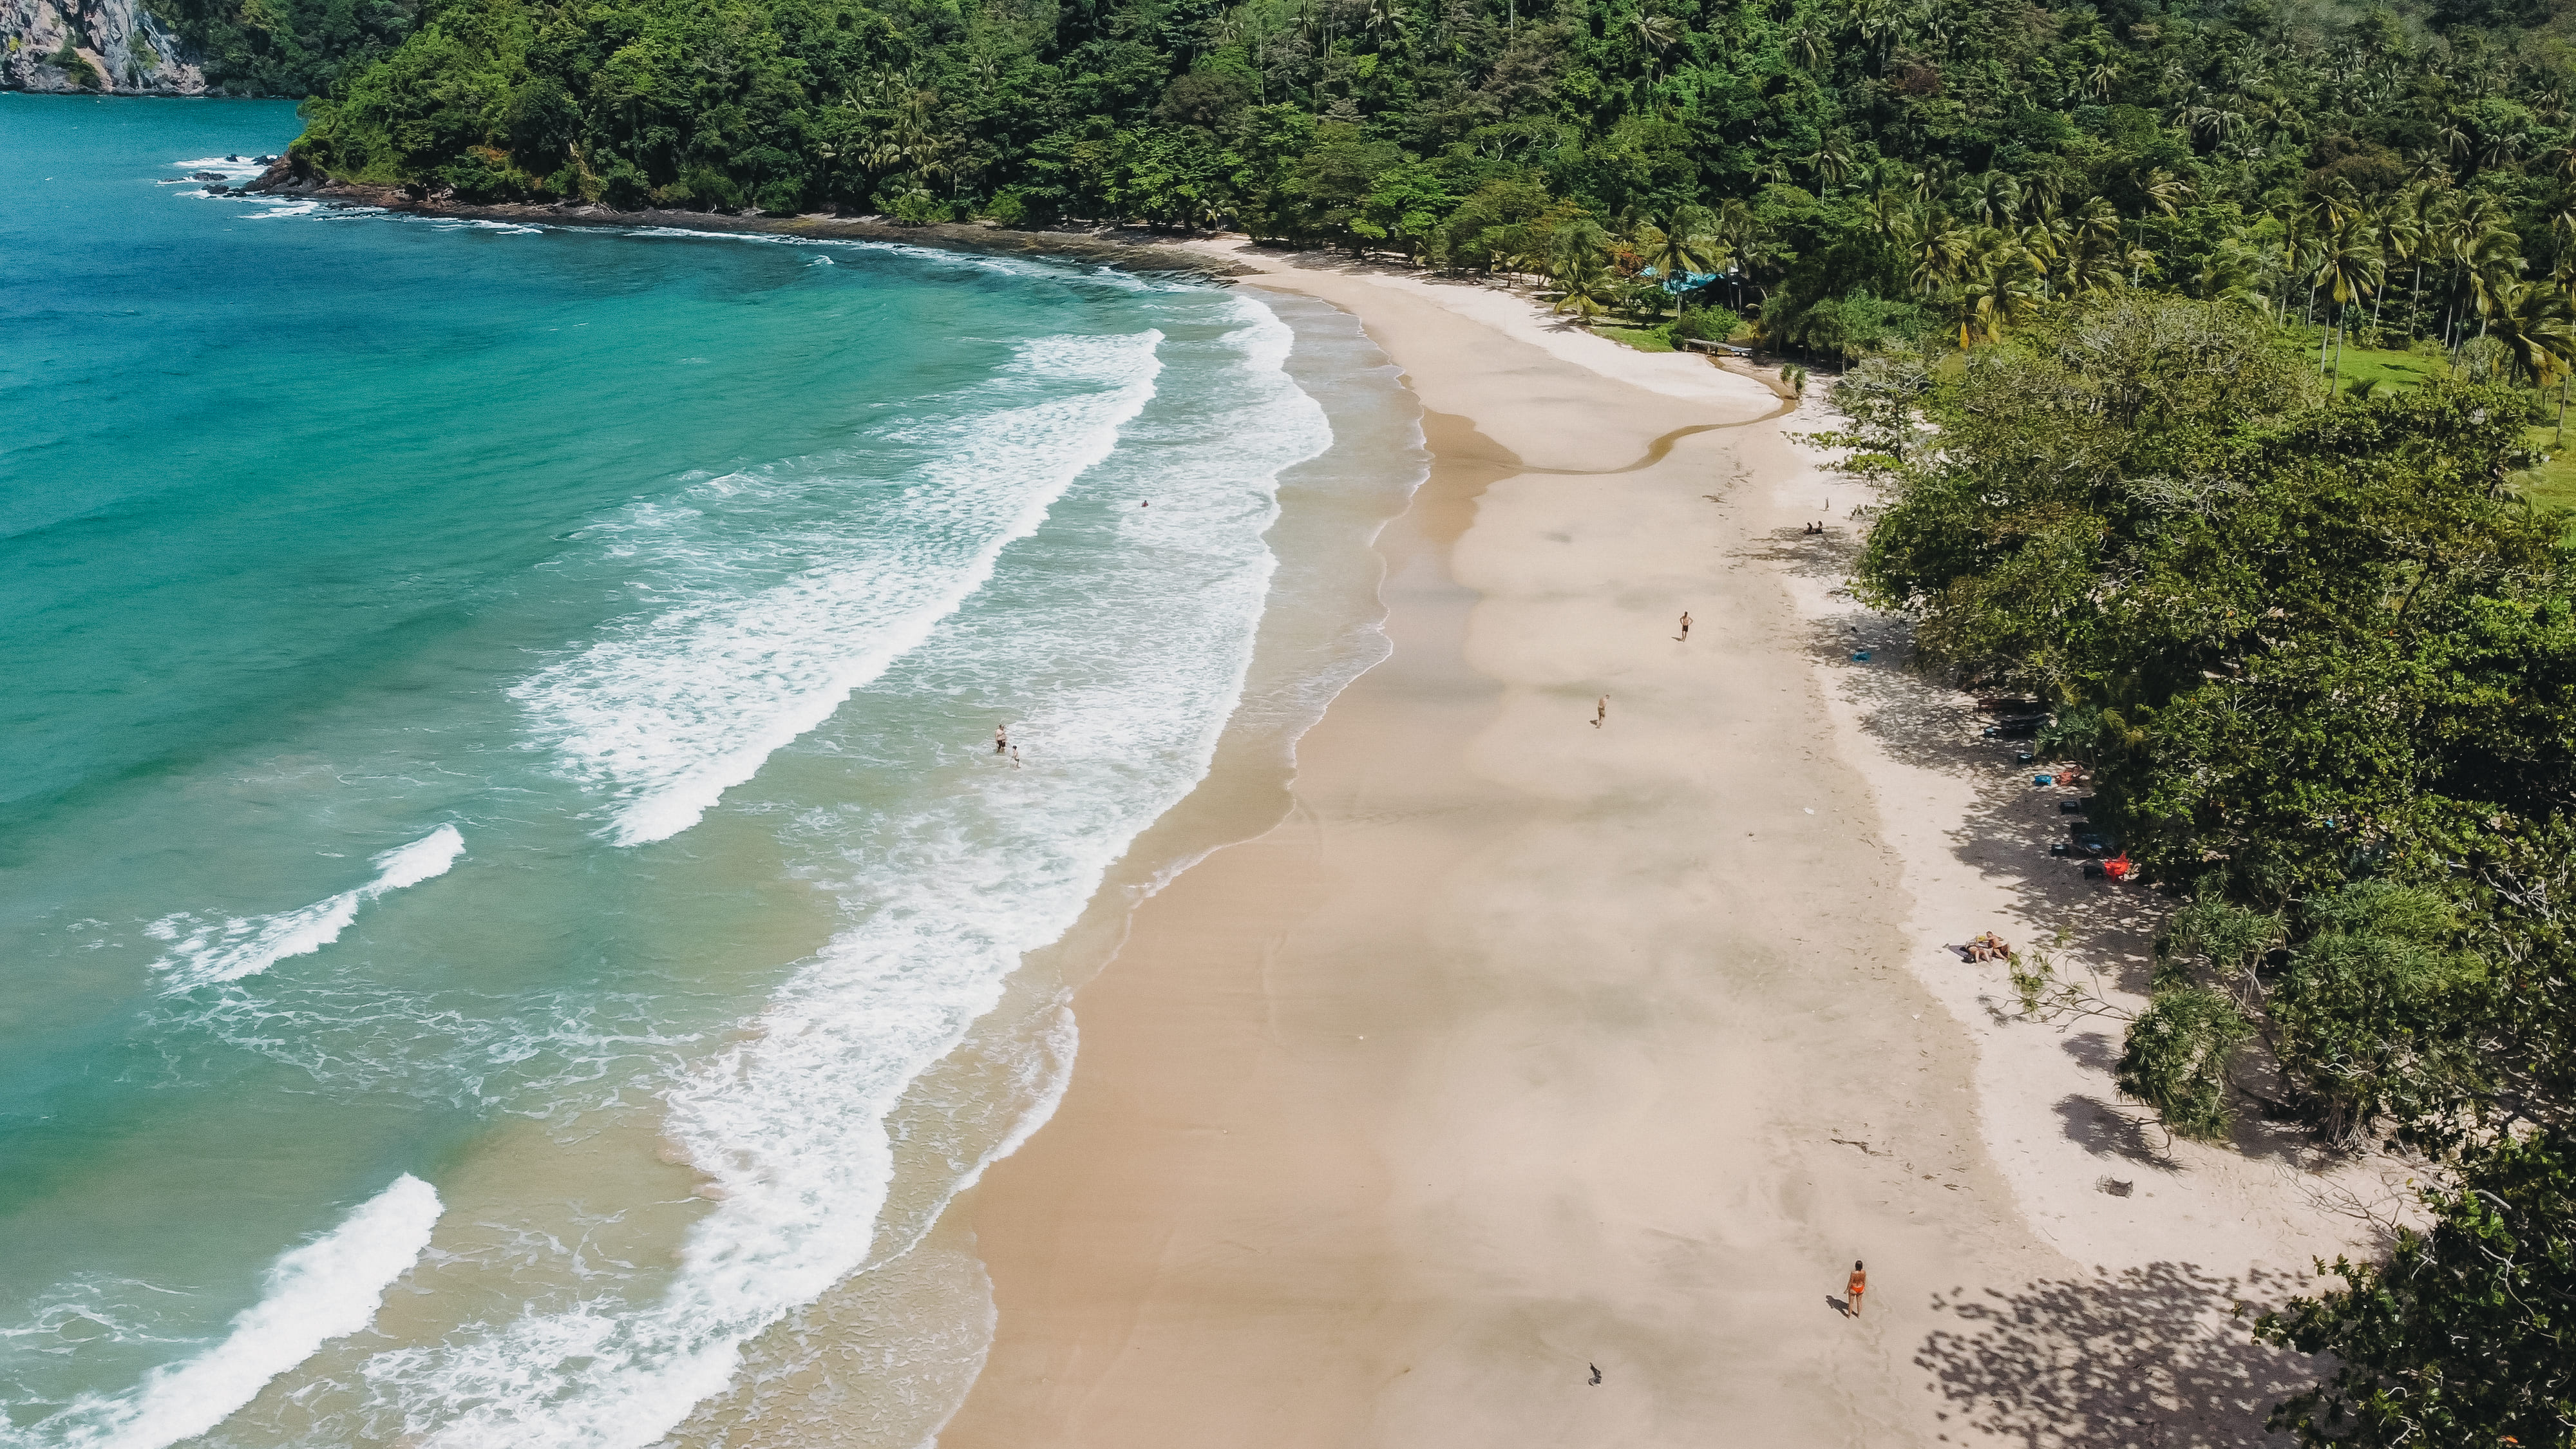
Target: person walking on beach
[1601, 712]
[1001, 738]
[1859, 1285]
[1686, 626]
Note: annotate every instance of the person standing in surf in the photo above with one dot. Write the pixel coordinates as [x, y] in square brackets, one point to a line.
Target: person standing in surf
[1001, 738]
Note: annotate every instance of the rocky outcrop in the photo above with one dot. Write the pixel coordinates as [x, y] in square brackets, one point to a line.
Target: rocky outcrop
[107, 47]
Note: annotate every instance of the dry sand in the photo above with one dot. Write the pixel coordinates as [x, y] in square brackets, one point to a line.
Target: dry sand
[1525, 1047]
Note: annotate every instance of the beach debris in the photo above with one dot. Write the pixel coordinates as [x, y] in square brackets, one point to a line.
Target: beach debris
[1596, 1373]
[2115, 1187]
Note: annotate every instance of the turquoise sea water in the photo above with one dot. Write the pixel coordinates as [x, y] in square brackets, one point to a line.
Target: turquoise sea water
[506, 893]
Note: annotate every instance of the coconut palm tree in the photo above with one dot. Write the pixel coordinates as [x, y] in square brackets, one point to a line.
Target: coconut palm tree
[1807, 44]
[2348, 265]
[1681, 243]
[2165, 192]
[1933, 250]
[2536, 326]
[1831, 162]
[1654, 35]
[1995, 199]
[1590, 287]
[1996, 288]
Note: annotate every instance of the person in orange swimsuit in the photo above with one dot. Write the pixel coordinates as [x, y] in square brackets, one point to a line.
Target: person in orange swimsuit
[1858, 1286]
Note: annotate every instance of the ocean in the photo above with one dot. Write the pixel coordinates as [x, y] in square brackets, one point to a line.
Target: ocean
[514, 926]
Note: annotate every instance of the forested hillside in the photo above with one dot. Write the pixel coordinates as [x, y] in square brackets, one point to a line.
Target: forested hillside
[1866, 167]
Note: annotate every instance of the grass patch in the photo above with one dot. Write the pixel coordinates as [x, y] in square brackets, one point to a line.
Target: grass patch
[2553, 483]
[1644, 339]
[2390, 369]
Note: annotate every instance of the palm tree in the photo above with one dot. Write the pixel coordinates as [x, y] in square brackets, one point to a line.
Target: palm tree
[1890, 219]
[1682, 244]
[2164, 192]
[1590, 287]
[2398, 237]
[1995, 289]
[2349, 265]
[1831, 162]
[2536, 326]
[1655, 34]
[1933, 250]
[1807, 43]
[1996, 199]
[1576, 246]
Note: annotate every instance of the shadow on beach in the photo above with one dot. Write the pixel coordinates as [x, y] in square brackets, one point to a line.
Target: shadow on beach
[2005, 835]
[2156, 1355]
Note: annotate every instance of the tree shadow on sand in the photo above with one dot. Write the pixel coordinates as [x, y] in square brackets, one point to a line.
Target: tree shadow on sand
[2157, 1357]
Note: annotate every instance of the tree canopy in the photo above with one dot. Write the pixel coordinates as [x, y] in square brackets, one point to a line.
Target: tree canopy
[2320, 657]
[1861, 170]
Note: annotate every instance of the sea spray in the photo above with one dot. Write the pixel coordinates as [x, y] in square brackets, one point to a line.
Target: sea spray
[204, 953]
[323, 1290]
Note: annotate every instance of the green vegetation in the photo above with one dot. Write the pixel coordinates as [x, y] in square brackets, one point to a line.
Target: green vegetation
[74, 64]
[2323, 668]
[286, 47]
[1858, 172]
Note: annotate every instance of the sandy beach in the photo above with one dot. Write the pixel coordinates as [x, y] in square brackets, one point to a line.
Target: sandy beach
[1538, 1082]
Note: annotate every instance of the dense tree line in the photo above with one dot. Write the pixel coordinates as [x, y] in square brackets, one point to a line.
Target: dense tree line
[2320, 657]
[1861, 170]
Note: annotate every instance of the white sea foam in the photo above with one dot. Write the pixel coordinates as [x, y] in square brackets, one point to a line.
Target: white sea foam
[1130, 645]
[205, 952]
[672, 709]
[323, 1290]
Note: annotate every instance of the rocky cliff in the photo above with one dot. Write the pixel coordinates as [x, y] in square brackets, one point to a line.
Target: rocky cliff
[112, 47]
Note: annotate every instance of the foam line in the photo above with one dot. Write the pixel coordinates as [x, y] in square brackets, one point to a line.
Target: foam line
[672, 711]
[324, 1290]
[240, 946]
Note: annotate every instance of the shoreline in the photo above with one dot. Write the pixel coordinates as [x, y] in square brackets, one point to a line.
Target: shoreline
[1520, 1048]
[1105, 247]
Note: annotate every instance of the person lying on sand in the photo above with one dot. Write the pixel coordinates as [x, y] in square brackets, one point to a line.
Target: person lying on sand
[1988, 947]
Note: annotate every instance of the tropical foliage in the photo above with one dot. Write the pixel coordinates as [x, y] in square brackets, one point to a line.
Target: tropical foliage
[2321, 660]
[286, 47]
[1860, 171]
